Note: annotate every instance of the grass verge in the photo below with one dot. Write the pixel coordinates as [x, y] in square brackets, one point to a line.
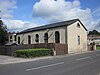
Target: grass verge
[98, 47]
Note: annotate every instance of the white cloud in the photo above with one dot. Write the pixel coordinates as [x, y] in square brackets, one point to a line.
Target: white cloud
[6, 8]
[96, 12]
[18, 25]
[50, 11]
[96, 25]
[96, 19]
[60, 10]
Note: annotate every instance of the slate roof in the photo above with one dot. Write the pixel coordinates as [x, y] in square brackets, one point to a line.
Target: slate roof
[54, 25]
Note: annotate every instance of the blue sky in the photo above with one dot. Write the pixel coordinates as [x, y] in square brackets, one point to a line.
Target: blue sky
[22, 14]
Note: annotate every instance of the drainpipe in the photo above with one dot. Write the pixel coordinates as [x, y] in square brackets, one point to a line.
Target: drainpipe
[65, 34]
[66, 41]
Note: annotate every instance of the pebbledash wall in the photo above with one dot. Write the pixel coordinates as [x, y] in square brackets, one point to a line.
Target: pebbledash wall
[73, 32]
[74, 35]
[41, 33]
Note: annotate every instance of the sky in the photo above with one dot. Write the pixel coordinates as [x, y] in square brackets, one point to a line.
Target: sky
[19, 15]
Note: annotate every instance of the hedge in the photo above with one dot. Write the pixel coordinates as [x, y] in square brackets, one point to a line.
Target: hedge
[30, 53]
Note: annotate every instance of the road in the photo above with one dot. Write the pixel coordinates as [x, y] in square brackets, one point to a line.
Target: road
[81, 64]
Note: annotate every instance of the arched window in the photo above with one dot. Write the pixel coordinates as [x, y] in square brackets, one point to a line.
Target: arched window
[37, 38]
[10, 38]
[78, 25]
[46, 37]
[18, 40]
[14, 37]
[57, 37]
[29, 39]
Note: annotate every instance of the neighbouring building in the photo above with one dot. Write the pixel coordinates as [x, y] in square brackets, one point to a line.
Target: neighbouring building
[94, 38]
[12, 37]
[72, 33]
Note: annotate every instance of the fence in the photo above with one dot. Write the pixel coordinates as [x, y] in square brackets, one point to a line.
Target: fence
[59, 48]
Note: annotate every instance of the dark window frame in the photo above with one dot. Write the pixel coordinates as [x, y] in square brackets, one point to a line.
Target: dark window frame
[46, 37]
[78, 25]
[78, 40]
[29, 39]
[10, 38]
[37, 38]
[14, 37]
[57, 37]
[18, 40]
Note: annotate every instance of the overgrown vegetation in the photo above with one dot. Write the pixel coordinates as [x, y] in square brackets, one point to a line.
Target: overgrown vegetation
[3, 33]
[30, 53]
[94, 32]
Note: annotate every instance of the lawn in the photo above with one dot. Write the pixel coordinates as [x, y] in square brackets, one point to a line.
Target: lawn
[98, 47]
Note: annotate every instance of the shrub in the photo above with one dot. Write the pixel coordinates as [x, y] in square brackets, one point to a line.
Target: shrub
[29, 53]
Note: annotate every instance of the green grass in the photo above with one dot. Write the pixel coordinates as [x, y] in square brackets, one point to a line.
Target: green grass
[35, 49]
[98, 47]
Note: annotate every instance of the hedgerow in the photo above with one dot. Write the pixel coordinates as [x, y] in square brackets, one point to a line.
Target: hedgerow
[30, 53]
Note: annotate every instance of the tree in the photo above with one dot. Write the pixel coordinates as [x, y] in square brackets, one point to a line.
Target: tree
[3, 33]
[94, 32]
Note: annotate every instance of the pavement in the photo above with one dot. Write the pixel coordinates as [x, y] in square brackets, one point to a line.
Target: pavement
[9, 59]
[77, 64]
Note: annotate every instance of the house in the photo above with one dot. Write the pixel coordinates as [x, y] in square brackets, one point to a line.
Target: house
[94, 38]
[12, 37]
[72, 33]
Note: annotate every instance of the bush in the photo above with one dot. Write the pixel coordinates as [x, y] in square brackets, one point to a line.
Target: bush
[29, 53]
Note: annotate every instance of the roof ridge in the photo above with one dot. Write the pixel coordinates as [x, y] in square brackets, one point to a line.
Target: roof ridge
[62, 23]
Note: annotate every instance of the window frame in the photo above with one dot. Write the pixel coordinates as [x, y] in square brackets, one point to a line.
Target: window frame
[29, 39]
[78, 25]
[57, 37]
[37, 38]
[79, 42]
[18, 40]
[46, 37]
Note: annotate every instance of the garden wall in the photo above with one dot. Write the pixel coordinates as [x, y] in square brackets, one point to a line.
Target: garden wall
[59, 48]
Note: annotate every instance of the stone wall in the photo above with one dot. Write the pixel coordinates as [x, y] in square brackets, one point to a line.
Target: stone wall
[58, 48]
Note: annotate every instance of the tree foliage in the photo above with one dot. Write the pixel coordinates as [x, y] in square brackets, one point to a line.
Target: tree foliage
[3, 33]
[94, 32]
